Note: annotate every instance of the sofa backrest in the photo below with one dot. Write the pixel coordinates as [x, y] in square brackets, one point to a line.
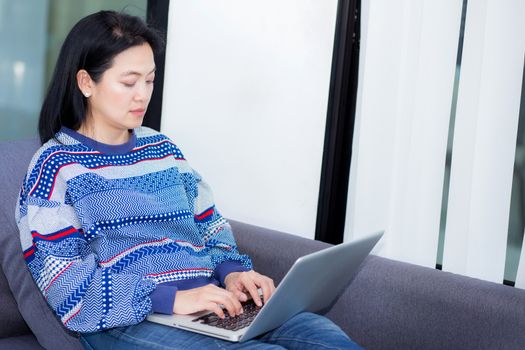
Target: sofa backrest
[14, 162]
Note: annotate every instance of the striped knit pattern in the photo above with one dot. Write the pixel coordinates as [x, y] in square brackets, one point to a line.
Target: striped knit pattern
[100, 231]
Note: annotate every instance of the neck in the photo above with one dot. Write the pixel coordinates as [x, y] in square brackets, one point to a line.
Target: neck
[107, 136]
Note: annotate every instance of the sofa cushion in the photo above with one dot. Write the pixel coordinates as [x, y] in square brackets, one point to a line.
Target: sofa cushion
[14, 161]
[23, 342]
[11, 322]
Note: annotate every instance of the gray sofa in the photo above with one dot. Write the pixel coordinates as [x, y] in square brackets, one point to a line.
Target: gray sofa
[389, 305]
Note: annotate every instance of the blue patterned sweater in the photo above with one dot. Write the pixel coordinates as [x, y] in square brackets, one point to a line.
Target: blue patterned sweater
[110, 233]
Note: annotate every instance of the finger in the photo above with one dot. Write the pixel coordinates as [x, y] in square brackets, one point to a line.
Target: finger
[228, 305]
[272, 286]
[214, 307]
[230, 302]
[235, 287]
[252, 289]
[270, 289]
[264, 284]
[266, 290]
[240, 295]
[224, 298]
[237, 303]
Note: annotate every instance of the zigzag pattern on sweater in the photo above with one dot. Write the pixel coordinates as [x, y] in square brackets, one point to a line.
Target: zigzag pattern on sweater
[128, 250]
[55, 266]
[66, 248]
[41, 183]
[163, 248]
[115, 224]
[65, 233]
[141, 253]
[210, 222]
[107, 297]
[74, 298]
[124, 206]
[86, 184]
[153, 139]
[48, 149]
[190, 185]
[177, 275]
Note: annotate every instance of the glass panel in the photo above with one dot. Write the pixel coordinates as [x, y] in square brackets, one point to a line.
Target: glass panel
[31, 33]
[446, 184]
[22, 65]
[517, 201]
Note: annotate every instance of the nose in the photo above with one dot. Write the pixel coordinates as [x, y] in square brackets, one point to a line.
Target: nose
[143, 92]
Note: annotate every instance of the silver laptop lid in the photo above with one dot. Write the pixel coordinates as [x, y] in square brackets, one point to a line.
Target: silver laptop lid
[314, 283]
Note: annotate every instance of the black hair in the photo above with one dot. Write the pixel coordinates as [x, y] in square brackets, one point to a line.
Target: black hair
[90, 45]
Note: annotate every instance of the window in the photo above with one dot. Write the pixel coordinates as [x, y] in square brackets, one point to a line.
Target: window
[32, 33]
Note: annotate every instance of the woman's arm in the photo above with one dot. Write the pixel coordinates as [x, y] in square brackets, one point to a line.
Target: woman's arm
[85, 296]
[214, 230]
[233, 270]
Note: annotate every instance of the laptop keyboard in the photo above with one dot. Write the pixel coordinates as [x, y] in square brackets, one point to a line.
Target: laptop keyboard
[250, 310]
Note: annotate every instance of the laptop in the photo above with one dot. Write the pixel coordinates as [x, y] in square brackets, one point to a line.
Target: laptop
[313, 283]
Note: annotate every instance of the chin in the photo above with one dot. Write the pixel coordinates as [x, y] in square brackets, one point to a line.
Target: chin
[135, 124]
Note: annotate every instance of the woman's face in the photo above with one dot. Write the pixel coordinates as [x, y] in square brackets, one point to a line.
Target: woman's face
[118, 101]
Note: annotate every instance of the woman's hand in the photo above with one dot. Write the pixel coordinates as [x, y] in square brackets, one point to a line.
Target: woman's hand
[240, 282]
[210, 298]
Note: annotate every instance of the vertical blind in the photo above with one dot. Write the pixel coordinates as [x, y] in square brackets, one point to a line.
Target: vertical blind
[485, 140]
[408, 64]
[408, 61]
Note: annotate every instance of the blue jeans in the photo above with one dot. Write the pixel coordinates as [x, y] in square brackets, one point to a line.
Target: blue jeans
[303, 331]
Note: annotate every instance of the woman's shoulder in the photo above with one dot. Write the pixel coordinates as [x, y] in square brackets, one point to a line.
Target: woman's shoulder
[47, 156]
[150, 137]
[149, 134]
[146, 135]
[60, 143]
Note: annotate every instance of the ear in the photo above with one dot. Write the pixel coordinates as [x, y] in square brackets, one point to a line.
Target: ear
[84, 82]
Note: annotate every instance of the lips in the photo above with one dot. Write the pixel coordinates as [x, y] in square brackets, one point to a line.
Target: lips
[138, 111]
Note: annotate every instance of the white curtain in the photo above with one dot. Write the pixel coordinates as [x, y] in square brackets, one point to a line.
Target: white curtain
[485, 139]
[407, 67]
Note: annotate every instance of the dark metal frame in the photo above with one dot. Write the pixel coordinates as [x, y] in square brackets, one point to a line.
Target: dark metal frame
[157, 17]
[335, 173]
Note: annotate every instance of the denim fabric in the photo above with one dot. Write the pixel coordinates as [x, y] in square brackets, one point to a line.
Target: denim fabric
[304, 331]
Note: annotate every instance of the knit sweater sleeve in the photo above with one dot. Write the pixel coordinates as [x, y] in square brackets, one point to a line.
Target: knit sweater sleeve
[85, 296]
[215, 230]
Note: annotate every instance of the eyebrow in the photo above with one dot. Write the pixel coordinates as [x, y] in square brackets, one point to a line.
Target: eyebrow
[137, 73]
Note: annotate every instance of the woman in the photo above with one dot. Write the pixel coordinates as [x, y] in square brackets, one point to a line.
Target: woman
[113, 221]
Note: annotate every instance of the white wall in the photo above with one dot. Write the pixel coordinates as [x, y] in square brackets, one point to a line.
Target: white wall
[246, 92]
